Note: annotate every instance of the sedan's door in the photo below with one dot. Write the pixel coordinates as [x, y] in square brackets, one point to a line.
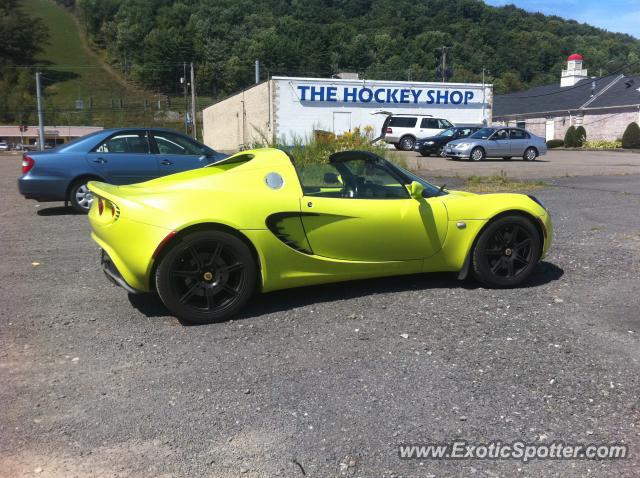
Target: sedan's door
[519, 141]
[175, 152]
[125, 158]
[499, 144]
[359, 211]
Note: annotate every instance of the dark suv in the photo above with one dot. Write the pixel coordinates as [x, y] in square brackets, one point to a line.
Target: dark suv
[435, 144]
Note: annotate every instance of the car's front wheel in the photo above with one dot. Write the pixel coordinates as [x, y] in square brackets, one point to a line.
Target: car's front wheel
[506, 252]
[80, 196]
[477, 154]
[530, 154]
[207, 277]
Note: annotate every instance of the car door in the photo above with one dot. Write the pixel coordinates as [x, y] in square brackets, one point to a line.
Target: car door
[519, 141]
[499, 144]
[357, 210]
[175, 152]
[125, 157]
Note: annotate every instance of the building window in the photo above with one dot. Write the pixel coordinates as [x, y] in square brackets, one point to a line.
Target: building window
[521, 124]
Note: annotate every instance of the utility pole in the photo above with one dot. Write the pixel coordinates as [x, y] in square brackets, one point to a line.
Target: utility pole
[40, 113]
[193, 102]
[444, 62]
[186, 103]
[257, 71]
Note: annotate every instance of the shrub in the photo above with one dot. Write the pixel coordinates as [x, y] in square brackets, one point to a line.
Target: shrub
[602, 144]
[581, 136]
[555, 143]
[570, 137]
[631, 136]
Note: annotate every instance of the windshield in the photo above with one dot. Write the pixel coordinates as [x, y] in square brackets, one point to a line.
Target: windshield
[448, 132]
[483, 133]
[429, 189]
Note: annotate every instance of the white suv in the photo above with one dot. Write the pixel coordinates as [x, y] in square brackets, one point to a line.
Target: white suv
[402, 130]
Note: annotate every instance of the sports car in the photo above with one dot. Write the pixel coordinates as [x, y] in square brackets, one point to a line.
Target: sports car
[205, 240]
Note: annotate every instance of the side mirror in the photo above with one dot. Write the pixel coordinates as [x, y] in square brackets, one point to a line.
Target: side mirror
[331, 178]
[415, 190]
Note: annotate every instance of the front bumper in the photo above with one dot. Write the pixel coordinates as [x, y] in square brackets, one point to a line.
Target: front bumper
[450, 152]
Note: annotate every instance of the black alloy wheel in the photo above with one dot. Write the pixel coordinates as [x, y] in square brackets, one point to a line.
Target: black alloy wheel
[507, 251]
[206, 277]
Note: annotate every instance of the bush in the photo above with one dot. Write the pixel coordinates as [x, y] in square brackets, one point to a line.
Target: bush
[570, 137]
[631, 136]
[581, 136]
[555, 143]
[602, 144]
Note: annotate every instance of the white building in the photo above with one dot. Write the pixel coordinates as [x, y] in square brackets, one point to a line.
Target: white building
[287, 107]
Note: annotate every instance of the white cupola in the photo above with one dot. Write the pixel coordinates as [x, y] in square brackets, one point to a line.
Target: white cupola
[574, 72]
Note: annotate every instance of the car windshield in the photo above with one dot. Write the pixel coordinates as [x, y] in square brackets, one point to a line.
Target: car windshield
[448, 132]
[483, 133]
[429, 189]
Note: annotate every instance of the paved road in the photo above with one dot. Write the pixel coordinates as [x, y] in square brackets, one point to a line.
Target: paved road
[322, 379]
[554, 164]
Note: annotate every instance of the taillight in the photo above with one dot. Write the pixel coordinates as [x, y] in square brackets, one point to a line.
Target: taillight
[389, 131]
[27, 164]
[100, 206]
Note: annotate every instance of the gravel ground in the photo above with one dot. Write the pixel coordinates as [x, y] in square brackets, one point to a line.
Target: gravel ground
[323, 381]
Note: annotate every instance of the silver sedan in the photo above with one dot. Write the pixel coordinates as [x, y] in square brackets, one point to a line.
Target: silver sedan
[497, 142]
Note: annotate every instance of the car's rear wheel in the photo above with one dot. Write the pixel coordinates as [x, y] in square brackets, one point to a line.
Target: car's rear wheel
[80, 196]
[530, 154]
[207, 277]
[407, 143]
[477, 154]
[506, 252]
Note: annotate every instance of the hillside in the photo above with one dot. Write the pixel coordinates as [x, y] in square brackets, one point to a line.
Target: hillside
[381, 39]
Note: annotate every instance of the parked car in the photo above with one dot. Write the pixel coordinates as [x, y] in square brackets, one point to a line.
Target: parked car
[435, 144]
[402, 130]
[497, 142]
[4, 146]
[117, 156]
[206, 240]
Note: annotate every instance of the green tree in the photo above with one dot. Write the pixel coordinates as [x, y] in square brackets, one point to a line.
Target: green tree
[580, 136]
[570, 137]
[631, 136]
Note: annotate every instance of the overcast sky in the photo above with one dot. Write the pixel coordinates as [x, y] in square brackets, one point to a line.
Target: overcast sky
[613, 15]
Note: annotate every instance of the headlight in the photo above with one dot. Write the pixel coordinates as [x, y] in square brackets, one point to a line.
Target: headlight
[429, 143]
[463, 145]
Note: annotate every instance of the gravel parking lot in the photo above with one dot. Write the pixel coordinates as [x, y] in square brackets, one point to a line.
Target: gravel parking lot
[322, 381]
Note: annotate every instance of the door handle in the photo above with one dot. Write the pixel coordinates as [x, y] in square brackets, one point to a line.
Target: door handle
[100, 160]
[166, 162]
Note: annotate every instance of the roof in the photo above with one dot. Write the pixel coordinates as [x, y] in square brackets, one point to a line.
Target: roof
[609, 91]
[575, 56]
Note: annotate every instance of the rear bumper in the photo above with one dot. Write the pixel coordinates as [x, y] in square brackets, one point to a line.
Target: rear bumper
[42, 189]
[113, 274]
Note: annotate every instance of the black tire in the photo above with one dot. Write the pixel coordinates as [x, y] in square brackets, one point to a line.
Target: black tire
[439, 152]
[79, 195]
[424, 155]
[477, 154]
[407, 143]
[506, 252]
[202, 269]
[396, 145]
[530, 154]
[506, 158]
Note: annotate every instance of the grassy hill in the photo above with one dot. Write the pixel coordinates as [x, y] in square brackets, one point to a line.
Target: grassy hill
[74, 72]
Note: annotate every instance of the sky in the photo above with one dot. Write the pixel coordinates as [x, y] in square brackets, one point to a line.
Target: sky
[613, 15]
